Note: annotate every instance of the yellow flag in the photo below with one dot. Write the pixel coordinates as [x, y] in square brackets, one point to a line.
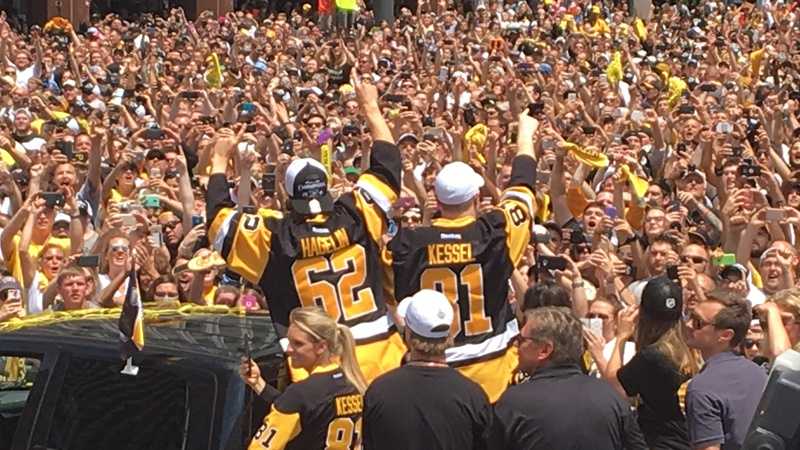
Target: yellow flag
[213, 71]
[568, 23]
[755, 63]
[325, 156]
[476, 137]
[675, 87]
[638, 184]
[640, 29]
[614, 69]
[589, 155]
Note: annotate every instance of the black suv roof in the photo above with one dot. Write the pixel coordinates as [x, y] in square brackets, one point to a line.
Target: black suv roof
[213, 332]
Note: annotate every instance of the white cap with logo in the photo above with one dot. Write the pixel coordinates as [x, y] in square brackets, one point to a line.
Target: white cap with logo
[427, 313]
[457, 183]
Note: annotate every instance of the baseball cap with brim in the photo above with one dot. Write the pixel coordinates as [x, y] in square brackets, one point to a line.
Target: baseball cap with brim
[427, 313]
[457, 184]
[696, 174]
[407, 137]
[62, 217]
[155, 153]
[735, 269]
[7, 283]
[662, 299]
[307, 184]
[704, 236]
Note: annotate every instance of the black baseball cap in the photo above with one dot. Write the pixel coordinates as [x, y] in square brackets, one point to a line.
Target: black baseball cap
[662, 299]
[307, 185]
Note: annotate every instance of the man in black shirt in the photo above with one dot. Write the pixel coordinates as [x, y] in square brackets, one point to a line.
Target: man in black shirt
[425, 404]
[559, 406]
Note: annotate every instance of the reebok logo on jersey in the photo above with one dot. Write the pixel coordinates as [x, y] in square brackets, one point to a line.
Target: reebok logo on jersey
[450, 236]
[320, 230]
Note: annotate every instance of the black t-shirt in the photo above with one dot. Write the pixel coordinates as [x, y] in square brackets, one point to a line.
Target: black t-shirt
[656, 380]
[431, 408]
[338, 75]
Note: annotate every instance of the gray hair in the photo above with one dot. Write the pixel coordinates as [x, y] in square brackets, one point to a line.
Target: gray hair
[562, 329]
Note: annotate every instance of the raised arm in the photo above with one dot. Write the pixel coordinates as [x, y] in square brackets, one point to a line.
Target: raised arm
[367, 95]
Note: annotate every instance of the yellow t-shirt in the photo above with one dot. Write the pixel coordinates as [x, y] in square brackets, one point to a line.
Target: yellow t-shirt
[13, 262]
[208, 296]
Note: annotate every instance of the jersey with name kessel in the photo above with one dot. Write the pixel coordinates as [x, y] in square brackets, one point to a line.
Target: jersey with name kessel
[321, 412]
[470, 260]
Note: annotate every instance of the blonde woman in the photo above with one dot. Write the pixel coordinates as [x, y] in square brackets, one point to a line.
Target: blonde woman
[324, 410]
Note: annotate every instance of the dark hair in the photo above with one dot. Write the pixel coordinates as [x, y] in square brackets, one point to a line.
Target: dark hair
[547, 293]
[665, 238]
[168, 278]
[666, 189]
[736, 313]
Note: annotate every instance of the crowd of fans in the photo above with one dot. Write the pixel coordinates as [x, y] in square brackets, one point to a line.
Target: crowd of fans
[667, 156]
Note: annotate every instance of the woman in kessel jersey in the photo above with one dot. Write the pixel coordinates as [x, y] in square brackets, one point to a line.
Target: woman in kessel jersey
[324, 410]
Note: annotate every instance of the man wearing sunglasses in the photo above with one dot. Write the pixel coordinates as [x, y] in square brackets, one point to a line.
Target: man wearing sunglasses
[722, 399]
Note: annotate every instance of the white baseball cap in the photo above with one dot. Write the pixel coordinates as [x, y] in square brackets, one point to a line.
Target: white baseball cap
[457, 183]
[427, 313]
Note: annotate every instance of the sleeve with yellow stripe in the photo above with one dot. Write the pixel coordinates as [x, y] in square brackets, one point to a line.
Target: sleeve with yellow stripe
[243, 240]
[278, 430]
[518, 205]
[378, 187]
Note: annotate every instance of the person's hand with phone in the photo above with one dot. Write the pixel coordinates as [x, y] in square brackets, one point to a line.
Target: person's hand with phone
[430, 210]
[623, 230]
[687, 275]
[626, 322]
[11, 309]
[251, 375]
[70, 205]
[733, 206]
[601, 263]
[594, 345]
[758, 219]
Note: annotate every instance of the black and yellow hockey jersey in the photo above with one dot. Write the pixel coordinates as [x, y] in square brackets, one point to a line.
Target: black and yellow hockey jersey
[331, 260]
[470, 260]
[320, 412]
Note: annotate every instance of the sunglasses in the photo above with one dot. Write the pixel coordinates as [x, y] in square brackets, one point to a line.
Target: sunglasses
[316, 124]
[698, 323]
[750, 343]
[693, 259]
[119, 248]
[165, 297]
[171, 225]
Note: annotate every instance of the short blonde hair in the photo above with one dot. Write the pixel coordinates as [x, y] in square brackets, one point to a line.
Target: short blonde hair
[789, 299]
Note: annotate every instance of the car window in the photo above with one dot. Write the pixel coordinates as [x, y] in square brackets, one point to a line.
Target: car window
[98, 407]
[16, 380]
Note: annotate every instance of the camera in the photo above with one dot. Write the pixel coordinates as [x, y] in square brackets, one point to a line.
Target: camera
[749, 170]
